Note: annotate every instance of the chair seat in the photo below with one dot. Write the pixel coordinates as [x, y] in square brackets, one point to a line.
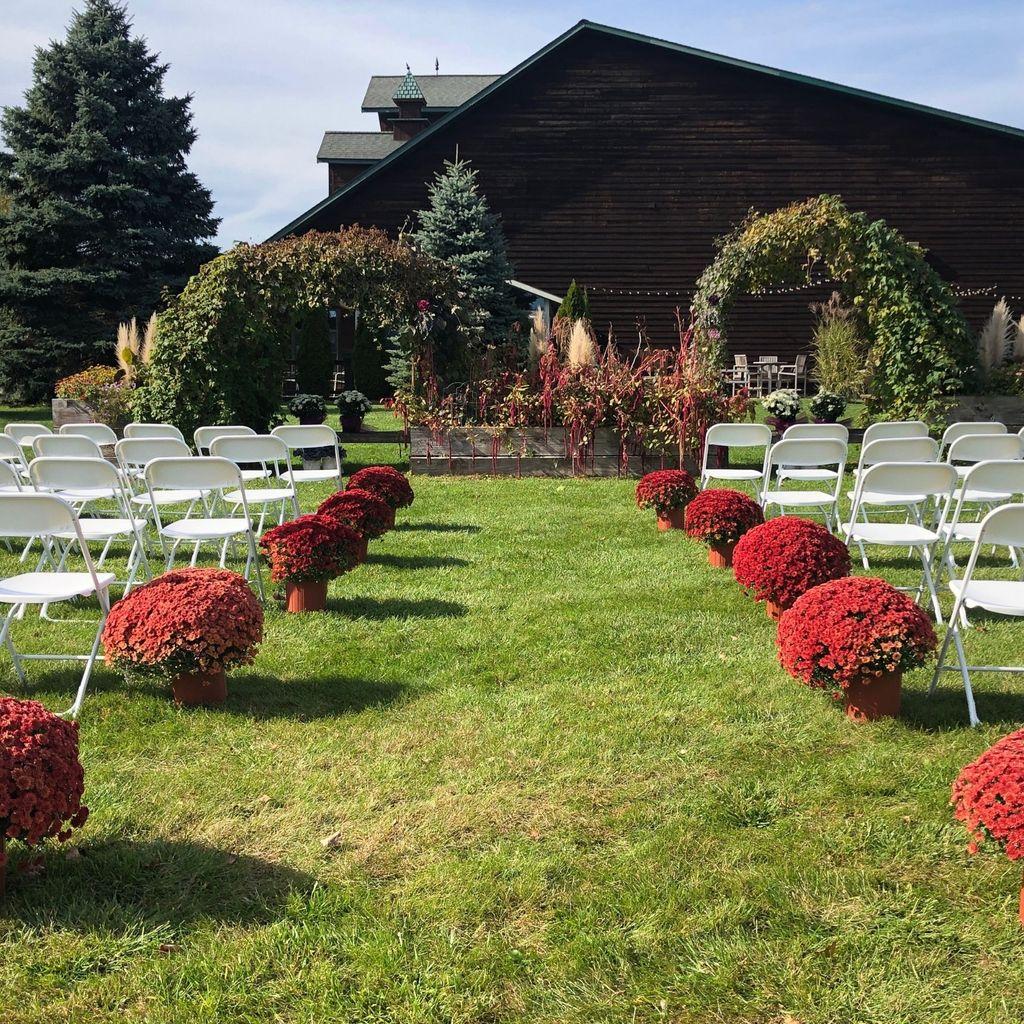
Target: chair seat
[260, 495]
[962, 531]
[169, 497]
[973, 494]
[895, 534]
[254, 474]
[77, 495]
[204, 529]
[305, 476]
[733, 474]
[808, 498]
[1002, 596]
[795, 473]
[877, 498]
[104, 529]
[41, 587]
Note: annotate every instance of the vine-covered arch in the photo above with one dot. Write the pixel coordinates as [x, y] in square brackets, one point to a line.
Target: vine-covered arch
[921, 348]
[221, 345]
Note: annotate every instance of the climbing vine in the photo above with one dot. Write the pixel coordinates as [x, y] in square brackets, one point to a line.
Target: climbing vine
[222, 344]
[921, 348]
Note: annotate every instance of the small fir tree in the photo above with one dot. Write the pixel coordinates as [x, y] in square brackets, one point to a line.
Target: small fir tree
[576, 304]
[101, 212]
[460, 229]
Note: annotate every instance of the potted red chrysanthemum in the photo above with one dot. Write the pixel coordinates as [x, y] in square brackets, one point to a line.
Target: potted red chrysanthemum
[857, 635]
[41, 777]
[719, 517]
[667, 491]
[384, 481]
[784, 558]
[988, 797]
[370, 516]
[189, 626]
[306, 553]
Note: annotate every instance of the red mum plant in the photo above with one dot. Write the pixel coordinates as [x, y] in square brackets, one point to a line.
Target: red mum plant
[856, 635]
[785, 557]
[187, 624]
[719, 517]
[41, 777]
[362, 510]
[988, 797]
[667, 491]
[386, 482]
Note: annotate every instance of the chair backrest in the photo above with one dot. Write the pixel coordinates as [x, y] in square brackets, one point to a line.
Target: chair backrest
[134, 430]
[768, 359]
[138, 451]
[895, 428]
[739, 435]
[98, 432]
[835, 431]
[35, 515]
[204, 435]
[10, 451]
[68, 446]
[801, 362]
[998, 477]
[798, 451]
[56, 473]
[968, 428]
[24, 432]
[899, 449]
[984, 448]
[298, 436]
[740, 362]
[194, 472]
[1002, 527]
[257, 448]
[9, 477]
[934, 479]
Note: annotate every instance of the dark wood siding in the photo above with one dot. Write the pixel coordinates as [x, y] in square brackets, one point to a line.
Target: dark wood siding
[618, 163]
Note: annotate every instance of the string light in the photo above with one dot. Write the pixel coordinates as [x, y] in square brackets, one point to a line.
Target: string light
[961, 291]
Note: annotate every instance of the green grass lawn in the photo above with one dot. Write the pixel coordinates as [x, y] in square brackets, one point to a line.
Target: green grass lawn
[537, 763]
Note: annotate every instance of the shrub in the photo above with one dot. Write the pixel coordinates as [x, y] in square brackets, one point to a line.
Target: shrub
[353, 403]
[362, 510]
[783, 404]
[308, 407]
[988, 796]
[853, 627]
[785, 557]
[187, 621]
[841, 358]
[827, 407]
[311, 548]
[386, 482]
[721, 516]
[665, 490]
[102, 390]
[41, 777]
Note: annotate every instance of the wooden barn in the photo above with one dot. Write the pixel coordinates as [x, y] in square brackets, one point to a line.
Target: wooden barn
[617, 159]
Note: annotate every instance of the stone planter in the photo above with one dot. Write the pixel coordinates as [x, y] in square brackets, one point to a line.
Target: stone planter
[65, 411]
[1008, 409]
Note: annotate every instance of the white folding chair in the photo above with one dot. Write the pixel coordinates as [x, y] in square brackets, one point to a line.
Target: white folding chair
[11, 453]
[80, 480]
[23, 434]
[135, 453]
[65, 446]
[970, 449]
[824, 455]
[206, 474]
[136, 430]
[49, 517]
[893, 449]
[1002, 527]
[894, 428]
[904, 483]
[965, 428]
[736, 435]
[812, 431]
[273, 456]
[10, 479]
[98, 432]
[204, 435]
[318, 436]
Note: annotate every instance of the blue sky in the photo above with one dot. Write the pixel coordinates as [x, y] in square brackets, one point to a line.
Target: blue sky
[269, 76]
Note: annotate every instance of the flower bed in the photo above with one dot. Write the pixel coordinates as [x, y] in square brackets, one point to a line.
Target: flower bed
[386, 482]
[667, 491]
[785, 557]
[719, 517]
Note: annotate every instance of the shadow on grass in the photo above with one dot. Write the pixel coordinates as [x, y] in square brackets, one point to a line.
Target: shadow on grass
[416, 561]
[439, 527]
[947, 708]
[123, 886]
[395, 608]
[263, 697]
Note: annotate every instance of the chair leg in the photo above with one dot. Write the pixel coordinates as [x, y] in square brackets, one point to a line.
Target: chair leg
[72, 712]
[926, 579]
[972, 712]
[5, 636]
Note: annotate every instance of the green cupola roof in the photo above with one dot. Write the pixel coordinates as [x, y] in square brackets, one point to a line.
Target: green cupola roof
[409, 88]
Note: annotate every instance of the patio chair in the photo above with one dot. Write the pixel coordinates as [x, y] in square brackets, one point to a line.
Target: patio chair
[738, 375]
[795, 371]
[966, 428]
[274, 457]
[894, 428]
[49, 517]
[908, 483]
[138, 430]
[98, 432]
[337, 383]
[1002, 527]
[815, 455]
[69, 446]
[735, 435]
[318, 436]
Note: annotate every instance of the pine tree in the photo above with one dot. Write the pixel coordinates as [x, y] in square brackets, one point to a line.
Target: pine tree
[102, 212]
[460, 229]
[576, 304]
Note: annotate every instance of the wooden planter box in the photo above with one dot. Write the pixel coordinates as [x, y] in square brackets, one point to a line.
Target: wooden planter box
[1008, 409]
[65, 411]
[532, 451]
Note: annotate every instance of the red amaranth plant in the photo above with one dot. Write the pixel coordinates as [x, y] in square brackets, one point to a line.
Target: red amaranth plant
[186, 621]
[853, 627]
[363, 511]
[311, 548]
[988, 796]
[721, 516]
[665, 490]
[384, 481]
[41, 777]
[785, 557]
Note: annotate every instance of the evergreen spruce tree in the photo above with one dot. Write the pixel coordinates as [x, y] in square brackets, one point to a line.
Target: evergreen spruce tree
[460, 229]
[576, 304]
[101, 212]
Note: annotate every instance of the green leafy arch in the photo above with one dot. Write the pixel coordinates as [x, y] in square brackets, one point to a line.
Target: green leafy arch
[921, 350]
[221, 345]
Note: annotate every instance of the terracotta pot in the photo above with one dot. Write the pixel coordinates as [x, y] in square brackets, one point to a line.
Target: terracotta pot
[672, 521]
[352, 424]
[364, 548]
[868, 698]
[309, 596]
[720, 555]
[203, 689]
[773, 611]
[312, 419]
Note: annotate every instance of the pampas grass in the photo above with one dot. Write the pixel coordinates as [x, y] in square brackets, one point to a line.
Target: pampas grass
[539, 340]
[582, 345]
[996, 338]
[1017, 353]
[134, 350]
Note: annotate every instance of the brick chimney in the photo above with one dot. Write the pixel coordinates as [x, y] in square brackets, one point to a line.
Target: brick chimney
[410, 101]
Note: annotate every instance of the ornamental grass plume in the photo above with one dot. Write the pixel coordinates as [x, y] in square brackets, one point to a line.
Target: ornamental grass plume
[540, 339]
[582, 345]
[996, 337]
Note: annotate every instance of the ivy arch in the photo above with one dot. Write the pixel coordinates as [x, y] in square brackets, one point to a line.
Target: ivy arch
[221, 345]
[921, 348]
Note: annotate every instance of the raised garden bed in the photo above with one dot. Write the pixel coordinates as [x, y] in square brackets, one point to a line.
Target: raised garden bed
[1008, 409]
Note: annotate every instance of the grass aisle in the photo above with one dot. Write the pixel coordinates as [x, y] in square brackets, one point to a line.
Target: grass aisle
[538, 764]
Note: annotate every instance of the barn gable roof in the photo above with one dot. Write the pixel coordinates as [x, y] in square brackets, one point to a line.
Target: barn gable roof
[303, 221]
